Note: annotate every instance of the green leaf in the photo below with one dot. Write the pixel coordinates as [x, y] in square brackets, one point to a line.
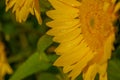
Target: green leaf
[37, 62]
[32, 65]
[47, 76]
[44, 42]
[114, 69]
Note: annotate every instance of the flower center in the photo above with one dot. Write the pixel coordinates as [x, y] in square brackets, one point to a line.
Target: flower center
[92, 22]
[96, 23]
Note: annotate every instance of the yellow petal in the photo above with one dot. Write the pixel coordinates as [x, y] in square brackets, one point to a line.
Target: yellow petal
[68, 36]
[60, 30]
[67, 46]
[81, 65]
[117, 7]
[54, 14]
[66, 59]
[63, 23]
[10, 4]
[103, 71]
[19, 3]
[108, 47]
[73, 3]
[37, 11]
[91, 72]
[57, 5]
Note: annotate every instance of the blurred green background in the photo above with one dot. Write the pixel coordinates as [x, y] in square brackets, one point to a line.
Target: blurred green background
[30, 51]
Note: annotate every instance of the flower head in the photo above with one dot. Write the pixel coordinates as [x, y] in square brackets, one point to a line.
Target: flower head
[22, 8]
[86, 34]
[4, 66]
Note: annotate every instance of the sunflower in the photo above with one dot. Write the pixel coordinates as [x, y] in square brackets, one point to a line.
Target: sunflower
[85, 31]
[22, 8]
[4, 66]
